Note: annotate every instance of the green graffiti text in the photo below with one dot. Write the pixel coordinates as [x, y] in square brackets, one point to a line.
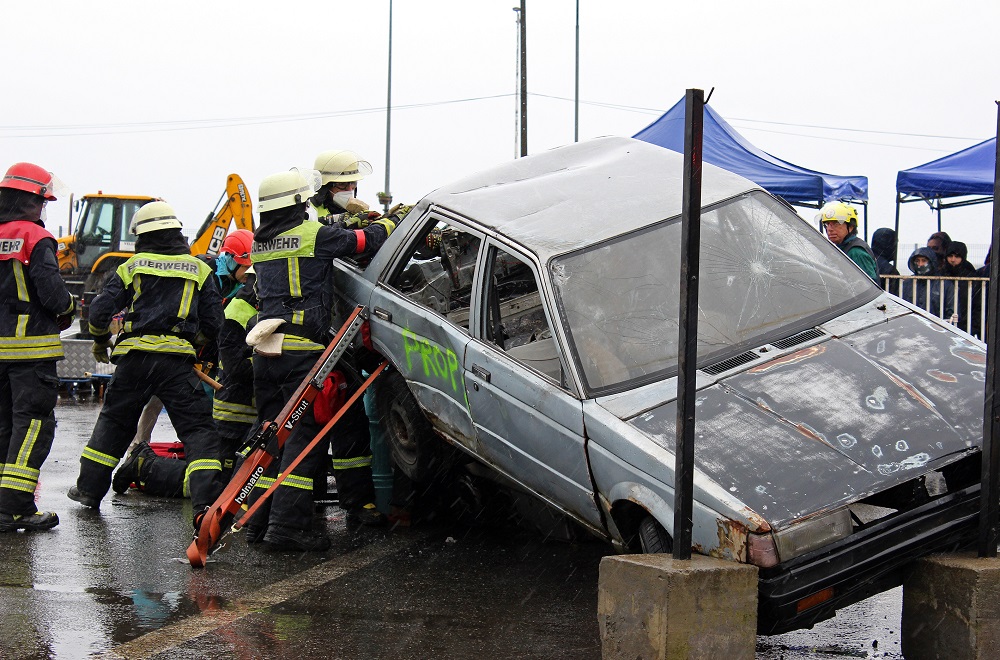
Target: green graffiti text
[438, 362]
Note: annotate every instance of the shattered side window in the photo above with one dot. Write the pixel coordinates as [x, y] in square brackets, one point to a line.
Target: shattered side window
[439, 270]
[764, 274]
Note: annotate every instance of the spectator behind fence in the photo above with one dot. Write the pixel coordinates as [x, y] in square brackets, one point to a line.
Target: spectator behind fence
[934, 295]
[957, 265]
[884, 245]
[939, 242]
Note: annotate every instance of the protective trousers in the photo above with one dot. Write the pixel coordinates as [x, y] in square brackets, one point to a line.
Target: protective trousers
[275, 380]
[351, 447]
[167, 477]
[139, 376]
[28, 394]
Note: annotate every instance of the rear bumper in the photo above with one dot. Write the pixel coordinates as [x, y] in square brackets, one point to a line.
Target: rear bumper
[868, 562]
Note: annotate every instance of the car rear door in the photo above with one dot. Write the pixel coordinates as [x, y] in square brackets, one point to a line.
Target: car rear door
[528, 422]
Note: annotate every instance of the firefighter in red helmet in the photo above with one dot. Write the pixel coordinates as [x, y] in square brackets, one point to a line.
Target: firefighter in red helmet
[34, 306]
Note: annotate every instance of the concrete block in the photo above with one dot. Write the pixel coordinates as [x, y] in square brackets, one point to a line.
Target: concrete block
[657, 607]
[951, 609]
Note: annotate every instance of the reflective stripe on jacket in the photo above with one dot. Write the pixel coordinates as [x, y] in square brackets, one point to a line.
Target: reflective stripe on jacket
[168, 299]
[32, 293]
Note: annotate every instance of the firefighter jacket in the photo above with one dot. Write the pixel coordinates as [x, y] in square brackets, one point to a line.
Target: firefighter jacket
[32, 293]
[295, 275]
[169, 300]
[234, 402]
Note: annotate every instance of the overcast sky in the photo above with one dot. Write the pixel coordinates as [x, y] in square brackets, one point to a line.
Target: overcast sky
[167, 99]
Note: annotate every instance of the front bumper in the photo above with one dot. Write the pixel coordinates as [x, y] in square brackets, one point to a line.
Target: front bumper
[865, 563]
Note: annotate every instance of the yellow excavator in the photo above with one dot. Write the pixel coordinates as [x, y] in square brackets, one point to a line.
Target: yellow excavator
[102, 240]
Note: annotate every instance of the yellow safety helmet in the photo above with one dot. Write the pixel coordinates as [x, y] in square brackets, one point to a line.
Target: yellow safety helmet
[837, 212]
[154, 216]
[282, 189]
[339, 165]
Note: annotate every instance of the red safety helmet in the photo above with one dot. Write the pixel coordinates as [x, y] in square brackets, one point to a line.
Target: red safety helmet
[239, 244]
[29, 178]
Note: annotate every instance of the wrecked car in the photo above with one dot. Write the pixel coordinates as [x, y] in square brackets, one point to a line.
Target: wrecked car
[530, 316]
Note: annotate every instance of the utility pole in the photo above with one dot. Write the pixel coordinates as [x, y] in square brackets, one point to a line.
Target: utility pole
[576, 97]
[522, 21]
[385, 198]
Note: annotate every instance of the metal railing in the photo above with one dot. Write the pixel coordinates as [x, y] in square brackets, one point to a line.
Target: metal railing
[959, 300]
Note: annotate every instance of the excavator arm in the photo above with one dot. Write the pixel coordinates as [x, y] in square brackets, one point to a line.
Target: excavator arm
[234, 207]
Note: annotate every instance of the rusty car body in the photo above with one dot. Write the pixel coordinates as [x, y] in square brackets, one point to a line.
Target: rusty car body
[530, 313]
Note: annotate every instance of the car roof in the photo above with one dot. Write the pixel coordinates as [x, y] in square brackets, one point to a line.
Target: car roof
[573, 196]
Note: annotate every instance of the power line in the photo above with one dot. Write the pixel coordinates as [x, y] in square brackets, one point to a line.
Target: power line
[124, 128]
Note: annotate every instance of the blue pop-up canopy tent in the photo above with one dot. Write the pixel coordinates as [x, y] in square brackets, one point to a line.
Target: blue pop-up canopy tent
[963, 178]
[723, 147]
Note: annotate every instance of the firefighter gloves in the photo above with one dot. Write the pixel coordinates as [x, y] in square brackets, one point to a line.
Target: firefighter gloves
[101, 351]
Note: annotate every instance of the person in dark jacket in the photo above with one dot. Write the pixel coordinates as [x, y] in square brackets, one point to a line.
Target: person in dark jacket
[939, 242]
[34, 306]
[173, 304]
[957, 265]
[232, 409]
[932, 294]
[884, 246]
[293, 258]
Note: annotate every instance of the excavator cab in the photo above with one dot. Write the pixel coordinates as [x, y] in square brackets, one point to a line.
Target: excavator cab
[101, 240]
[103, 226]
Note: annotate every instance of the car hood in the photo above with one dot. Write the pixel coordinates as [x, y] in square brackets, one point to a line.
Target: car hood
[837, 421]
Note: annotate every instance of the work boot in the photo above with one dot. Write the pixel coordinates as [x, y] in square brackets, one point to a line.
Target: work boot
[32, 522]
[255, 533]
[288, 538]
[84, 498]
[130, 471]
[367, 515]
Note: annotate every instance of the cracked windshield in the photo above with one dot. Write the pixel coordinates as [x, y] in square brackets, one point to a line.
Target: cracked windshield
[764, 274]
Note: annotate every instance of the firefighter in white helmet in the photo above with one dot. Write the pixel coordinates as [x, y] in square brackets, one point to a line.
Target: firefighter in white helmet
[840, 222]
[172, 305]
[293, 258]
[34, 307]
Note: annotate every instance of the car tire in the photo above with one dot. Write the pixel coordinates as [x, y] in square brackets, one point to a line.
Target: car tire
[653, 538]
[414, 446]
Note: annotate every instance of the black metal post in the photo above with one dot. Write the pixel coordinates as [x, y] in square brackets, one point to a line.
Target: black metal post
[524, 79]
[687, 354]
[989, 495]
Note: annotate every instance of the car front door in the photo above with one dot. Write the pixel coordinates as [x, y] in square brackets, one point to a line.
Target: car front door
[420, 316]
[528, 422]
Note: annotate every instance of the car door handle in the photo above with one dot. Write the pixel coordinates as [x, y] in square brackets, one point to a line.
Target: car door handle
[385, 315]
[481, 373]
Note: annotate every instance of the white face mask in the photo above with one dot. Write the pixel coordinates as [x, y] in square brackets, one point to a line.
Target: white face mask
[342, 198]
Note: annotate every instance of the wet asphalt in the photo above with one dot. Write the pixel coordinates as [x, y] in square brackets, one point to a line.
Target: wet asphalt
[115, 584]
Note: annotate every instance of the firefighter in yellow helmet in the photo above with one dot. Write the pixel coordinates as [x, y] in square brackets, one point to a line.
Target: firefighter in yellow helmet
[840, 222]
[172, 305]
[34, 307]
[293, 258]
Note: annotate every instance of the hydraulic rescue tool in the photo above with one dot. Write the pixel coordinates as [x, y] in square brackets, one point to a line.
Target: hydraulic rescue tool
[265, 445]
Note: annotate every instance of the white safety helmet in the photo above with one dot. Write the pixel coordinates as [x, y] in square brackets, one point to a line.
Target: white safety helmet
[152, 217]
[338, 165]
[283, 189]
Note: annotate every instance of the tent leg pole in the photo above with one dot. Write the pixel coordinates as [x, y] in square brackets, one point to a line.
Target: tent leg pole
[895, 257]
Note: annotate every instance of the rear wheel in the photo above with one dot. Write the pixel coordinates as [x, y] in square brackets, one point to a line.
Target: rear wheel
[653, 538]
